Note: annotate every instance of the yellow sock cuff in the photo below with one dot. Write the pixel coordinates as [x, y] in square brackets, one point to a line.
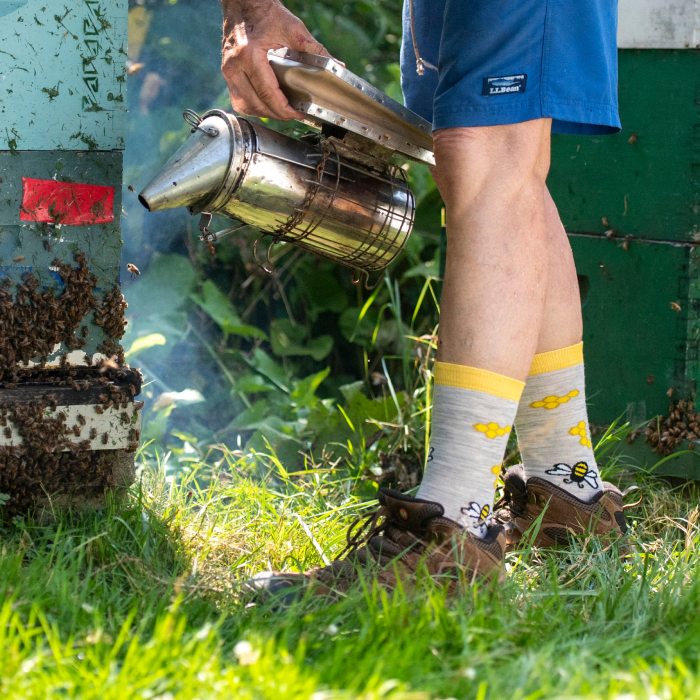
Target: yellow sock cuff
[557, 359]
[482, 380]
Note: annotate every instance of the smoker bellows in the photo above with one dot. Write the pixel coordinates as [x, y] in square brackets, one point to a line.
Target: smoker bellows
[336, 193]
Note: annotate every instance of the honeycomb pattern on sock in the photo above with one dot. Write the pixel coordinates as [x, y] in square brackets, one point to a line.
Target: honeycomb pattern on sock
[552, 424]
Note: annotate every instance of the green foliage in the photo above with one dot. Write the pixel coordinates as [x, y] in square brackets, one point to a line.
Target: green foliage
[364, 35]
[213, 301]
[160, 306]
[273, 356]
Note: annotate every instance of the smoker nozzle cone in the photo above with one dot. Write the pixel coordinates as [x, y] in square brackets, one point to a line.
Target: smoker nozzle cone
[194, 173]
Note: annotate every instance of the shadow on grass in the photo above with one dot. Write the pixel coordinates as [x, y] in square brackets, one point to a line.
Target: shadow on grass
[93, 569]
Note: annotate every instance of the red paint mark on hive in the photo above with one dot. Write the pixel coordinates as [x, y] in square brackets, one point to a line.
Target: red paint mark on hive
[70, 203]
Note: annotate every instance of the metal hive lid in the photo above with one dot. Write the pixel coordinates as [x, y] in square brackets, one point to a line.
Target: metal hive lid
[327, 92]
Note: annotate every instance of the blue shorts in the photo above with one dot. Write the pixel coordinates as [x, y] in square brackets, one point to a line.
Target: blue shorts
[509, 61]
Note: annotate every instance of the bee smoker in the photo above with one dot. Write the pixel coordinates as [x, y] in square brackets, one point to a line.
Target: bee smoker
[337, 193]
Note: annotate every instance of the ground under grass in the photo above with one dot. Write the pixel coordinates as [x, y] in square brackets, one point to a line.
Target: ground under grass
[143, 600]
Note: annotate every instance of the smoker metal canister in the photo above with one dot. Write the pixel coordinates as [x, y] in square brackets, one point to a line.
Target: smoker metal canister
[303, 191]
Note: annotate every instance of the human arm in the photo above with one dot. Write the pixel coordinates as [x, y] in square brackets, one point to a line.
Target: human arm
[251, 28]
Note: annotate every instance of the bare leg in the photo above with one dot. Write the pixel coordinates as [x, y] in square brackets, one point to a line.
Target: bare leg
[510, 291]
[492, 180]
[552, 419]
[561, 324]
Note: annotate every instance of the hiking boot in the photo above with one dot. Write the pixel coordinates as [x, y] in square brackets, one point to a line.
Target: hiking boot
[564, 516]
[390, 544]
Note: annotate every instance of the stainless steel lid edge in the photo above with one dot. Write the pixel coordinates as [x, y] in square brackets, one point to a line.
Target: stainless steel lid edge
[328, 92]
[380, 137]
[330, 64]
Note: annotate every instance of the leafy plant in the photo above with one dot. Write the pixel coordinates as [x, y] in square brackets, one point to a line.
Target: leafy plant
[300, 361]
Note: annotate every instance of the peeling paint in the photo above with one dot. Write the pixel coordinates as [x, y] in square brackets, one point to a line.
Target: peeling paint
[67, 203]
[651, 24]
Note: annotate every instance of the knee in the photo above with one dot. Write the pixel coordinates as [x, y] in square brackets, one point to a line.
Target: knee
[507, 157]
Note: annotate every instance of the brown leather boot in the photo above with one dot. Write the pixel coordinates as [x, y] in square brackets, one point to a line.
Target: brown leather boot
[403, 534]
[565, 516]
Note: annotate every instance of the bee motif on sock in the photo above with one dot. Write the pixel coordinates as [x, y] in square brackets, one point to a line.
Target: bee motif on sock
[479, 514]
[576, 474]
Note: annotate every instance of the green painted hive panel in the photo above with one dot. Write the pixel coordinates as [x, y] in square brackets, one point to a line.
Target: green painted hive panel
[62, 74]
[635, 308]
[644, 181]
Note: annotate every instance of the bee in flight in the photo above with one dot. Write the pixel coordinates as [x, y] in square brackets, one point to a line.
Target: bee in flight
[133, 270]
[477, 512]
[578, 474]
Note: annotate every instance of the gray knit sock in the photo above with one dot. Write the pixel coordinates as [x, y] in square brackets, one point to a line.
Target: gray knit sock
[472, 416]
[552, 424]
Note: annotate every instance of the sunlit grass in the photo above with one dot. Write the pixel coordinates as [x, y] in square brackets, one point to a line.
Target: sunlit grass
[144, 599]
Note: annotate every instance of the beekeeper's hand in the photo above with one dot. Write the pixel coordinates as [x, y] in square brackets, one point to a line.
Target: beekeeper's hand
[251, 27]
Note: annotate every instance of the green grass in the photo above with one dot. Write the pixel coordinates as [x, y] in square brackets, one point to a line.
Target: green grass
[143, 600]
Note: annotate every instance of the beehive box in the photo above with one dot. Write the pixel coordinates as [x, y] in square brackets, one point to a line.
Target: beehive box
[631, 205]
[68, 420]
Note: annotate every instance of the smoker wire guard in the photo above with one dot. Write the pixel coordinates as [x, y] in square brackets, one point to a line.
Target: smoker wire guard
[298, 227]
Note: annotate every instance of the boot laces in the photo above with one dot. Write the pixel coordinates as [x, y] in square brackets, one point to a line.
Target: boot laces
[510, 503]
[363, 529]
[627, 492]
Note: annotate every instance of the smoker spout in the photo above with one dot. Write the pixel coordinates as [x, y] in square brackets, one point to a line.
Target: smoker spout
[196, 171]
[171, 188]
[144, 202]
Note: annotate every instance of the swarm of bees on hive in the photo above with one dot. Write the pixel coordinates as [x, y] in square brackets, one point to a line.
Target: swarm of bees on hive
[51, 460]
[109, 315]
[34, 320]
[682, 423]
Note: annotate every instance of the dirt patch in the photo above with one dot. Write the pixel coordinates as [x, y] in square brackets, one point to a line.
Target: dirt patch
[398, 470]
